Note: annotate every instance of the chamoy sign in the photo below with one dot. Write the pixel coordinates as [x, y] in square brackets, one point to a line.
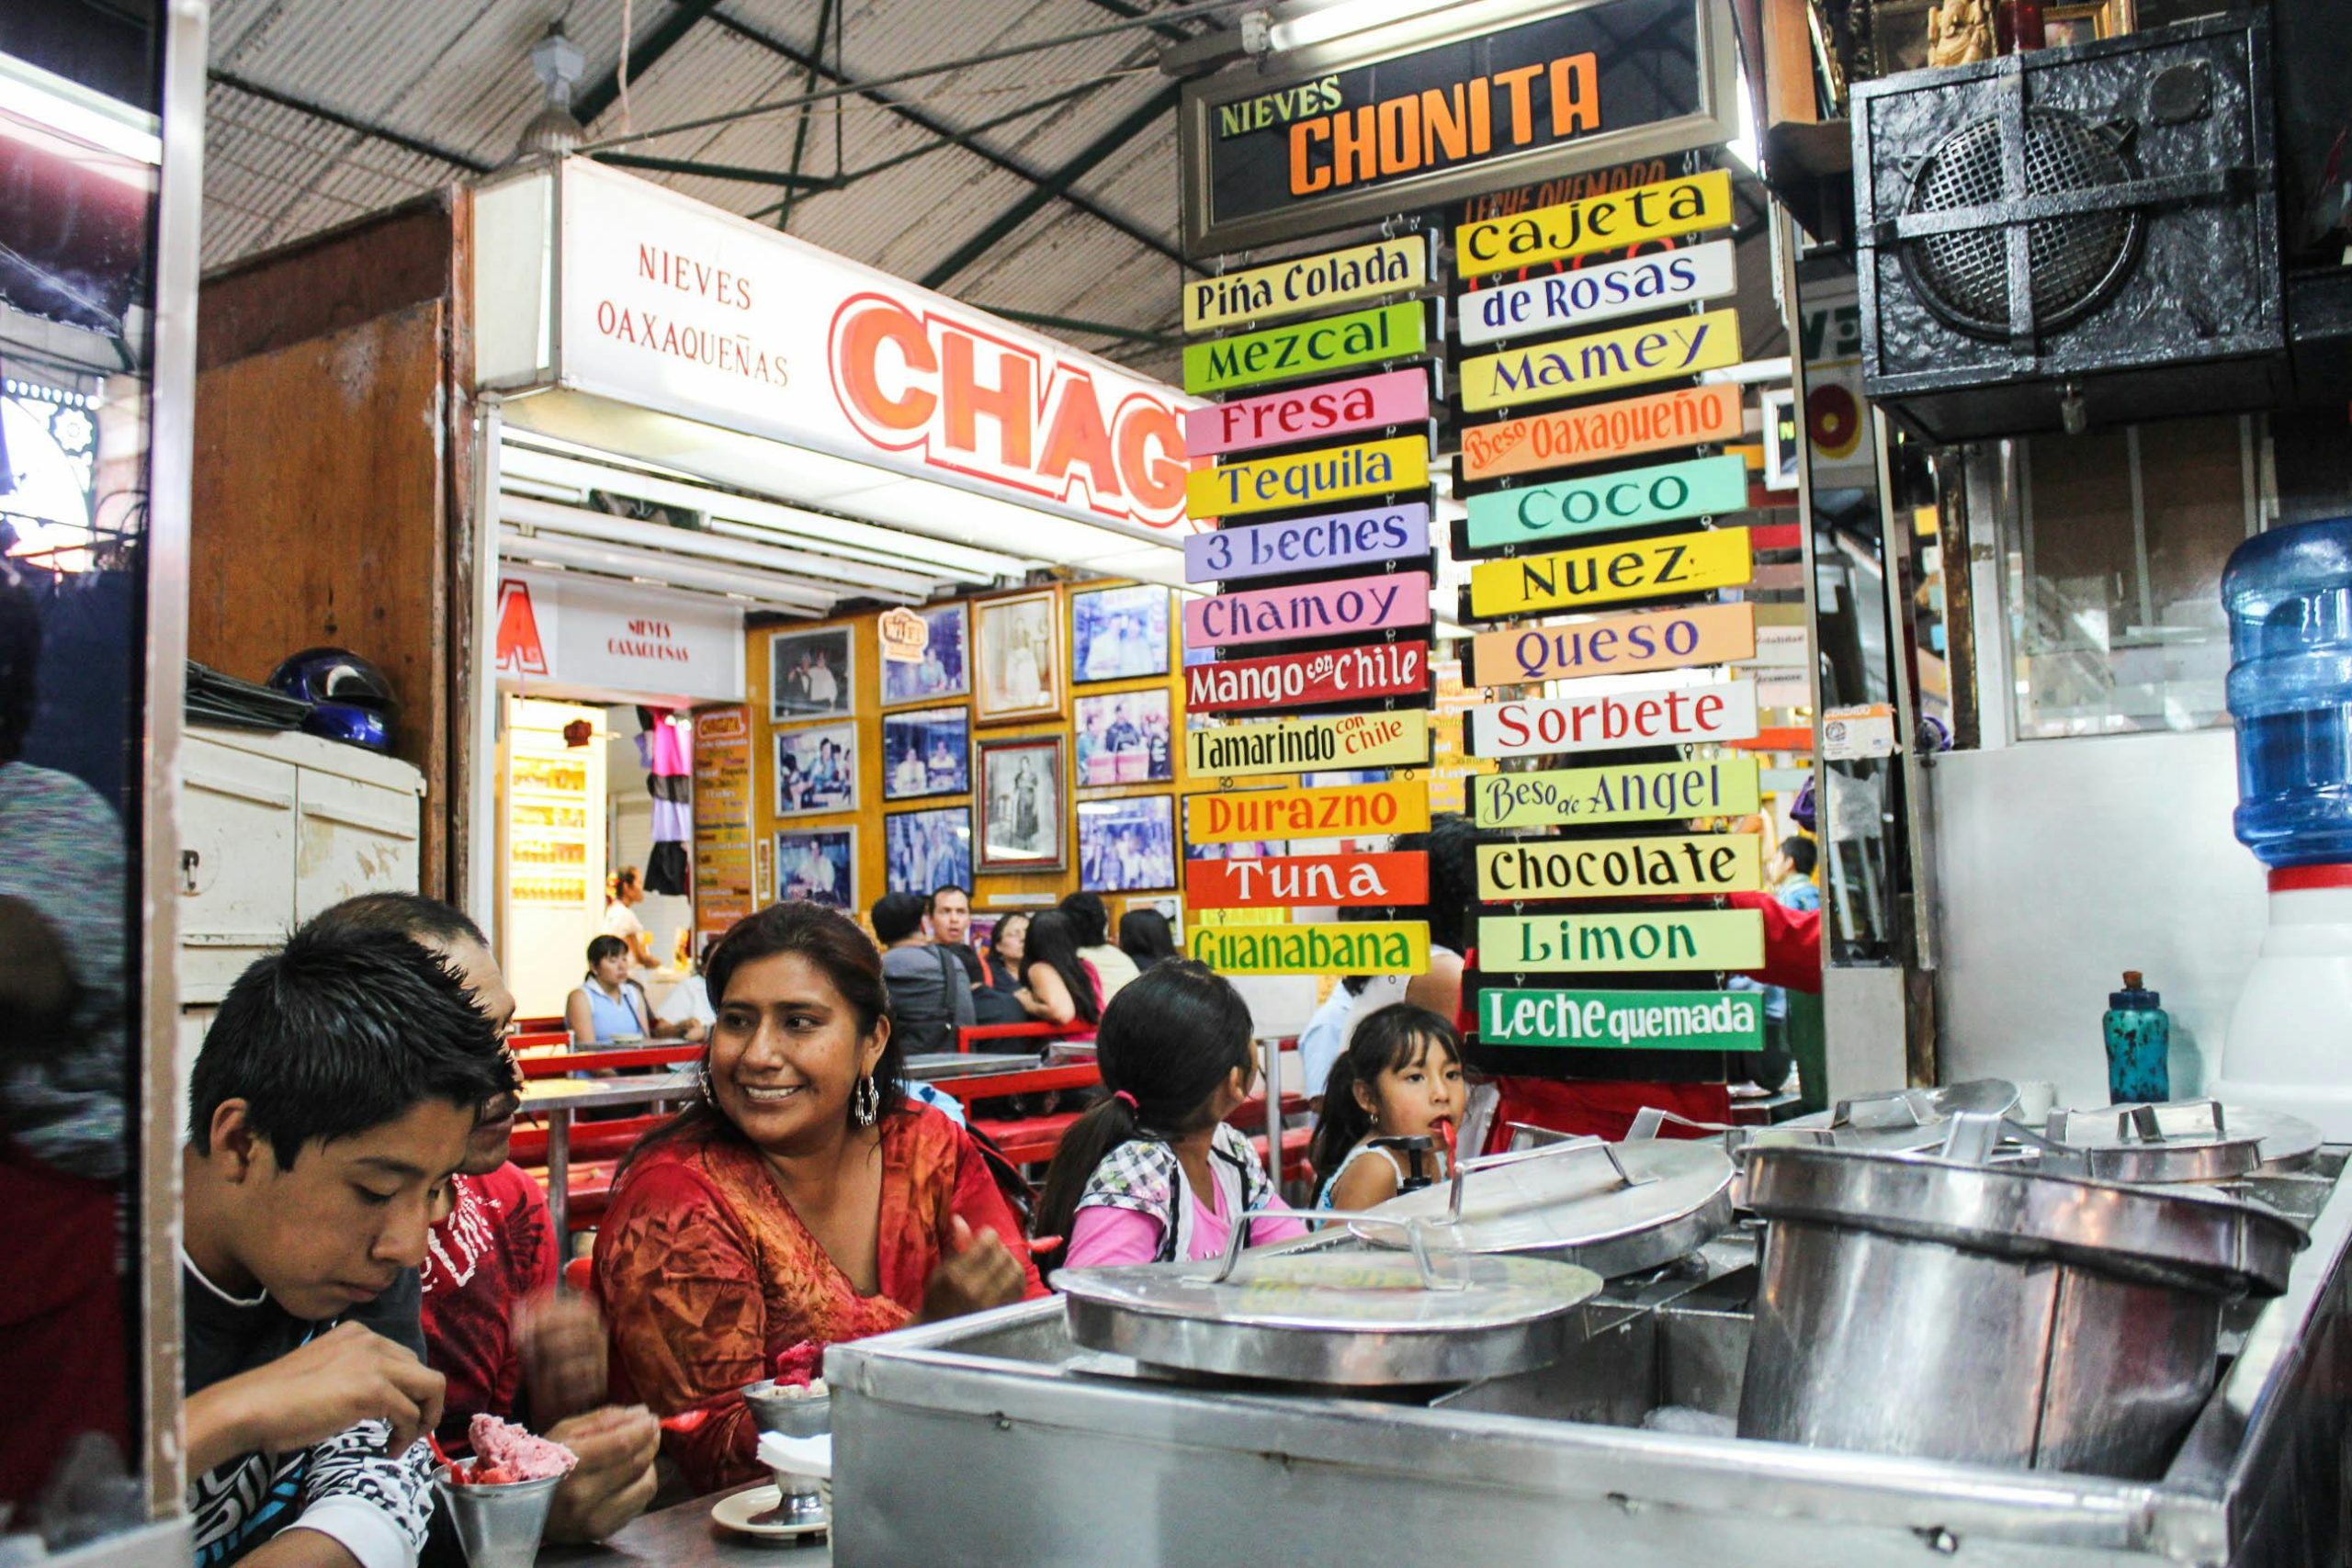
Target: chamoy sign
[1310, 478]
[1399, 739]
[1298, 544]
[1540, 870]
[1356, 947]
[1619, 357]
[1309, 413]
[1611, 222]
[1624, 1020]
[1290, 882]
[1600, 433]
[1309, 282]
[1615, 721]
[1259, 816]
[1335, 608]
[1307, 348]
[1614, 645]
[1625, 792]
[1662, 939]
[1593, 503]
[1671, 567]
[1292, 681]
[1634, 286]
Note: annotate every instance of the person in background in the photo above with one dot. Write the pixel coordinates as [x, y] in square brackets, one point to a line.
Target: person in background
[331, 1104]
[506, 1339]
[620, 917]
[1090, 925]
[1789, 877]
[929, 998]
[801, 1200]
[1399, 1077]
[1057, 985]
[1153, 1172]
[951, 927]
[1145, 937]
[608, 1006]
[1005, 960]
[689, 999]
[824, 690]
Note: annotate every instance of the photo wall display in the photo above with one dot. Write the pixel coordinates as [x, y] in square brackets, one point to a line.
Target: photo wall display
[926, 751]
[927, 849]
[1023, 802]
[1020, 673]
[1118, 634]
[1124, 737]
[820, 865]
[811, 674]
[816, 770]
[939, 665]
[1127, 845]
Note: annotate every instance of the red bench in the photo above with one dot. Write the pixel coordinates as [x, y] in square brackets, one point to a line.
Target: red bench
[558, 1063]
[590, 1140]
[1028, 1140]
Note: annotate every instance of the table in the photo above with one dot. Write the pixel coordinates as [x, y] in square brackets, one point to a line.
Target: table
[684, 1537]
[557, 1099]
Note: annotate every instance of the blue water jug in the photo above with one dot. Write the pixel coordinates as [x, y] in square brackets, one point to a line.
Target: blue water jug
[2289, 594]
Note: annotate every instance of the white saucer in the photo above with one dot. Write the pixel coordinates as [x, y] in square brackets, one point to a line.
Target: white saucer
[737, 1511]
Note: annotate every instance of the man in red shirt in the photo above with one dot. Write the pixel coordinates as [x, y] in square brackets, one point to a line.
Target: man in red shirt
[497, 1326]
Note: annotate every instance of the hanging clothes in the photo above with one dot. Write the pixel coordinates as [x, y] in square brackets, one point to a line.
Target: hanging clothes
[666, 747]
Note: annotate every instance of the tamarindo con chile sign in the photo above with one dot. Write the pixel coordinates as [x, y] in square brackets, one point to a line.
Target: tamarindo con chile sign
[1399, 739]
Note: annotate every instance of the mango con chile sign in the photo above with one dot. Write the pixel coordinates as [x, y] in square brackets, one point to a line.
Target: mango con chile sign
[1432, 109]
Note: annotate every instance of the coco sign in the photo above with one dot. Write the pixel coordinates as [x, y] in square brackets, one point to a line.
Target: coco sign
[1627, 498]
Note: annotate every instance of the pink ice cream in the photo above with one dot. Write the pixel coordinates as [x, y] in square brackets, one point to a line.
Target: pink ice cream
[505, 1452]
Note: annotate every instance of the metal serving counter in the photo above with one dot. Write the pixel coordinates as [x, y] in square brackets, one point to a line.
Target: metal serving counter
[995, 1440]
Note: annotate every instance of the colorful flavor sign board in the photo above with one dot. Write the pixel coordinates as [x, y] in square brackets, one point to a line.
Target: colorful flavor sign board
[1615, 721]
[1611, 222]
[1243, 816]
[1309, 348]
[1620, 357]
[1616, 645]
[1656, 421]
[1310, 478]
[1309, 413]
[1309, 680]
[1309, 282]
[1345, 882]
[1629, 498]
[1663, 567]
[1533, 870]
[722, 819]
[1309, 543]
[1630, 288]
[1653, 941]
[1356, 947]
[1308, 609]
[1630, 791]
[1399, 739]
[1624, 1020]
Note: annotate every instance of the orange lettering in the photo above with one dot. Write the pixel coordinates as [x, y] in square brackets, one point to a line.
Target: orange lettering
[1522, 111]
[1442, 124]
[1010, 404]
[1355, 155]
[1576, 95]
[1151, 453]
[1400, 136]
[883, 322]
[1078, 437]
[1305, 176]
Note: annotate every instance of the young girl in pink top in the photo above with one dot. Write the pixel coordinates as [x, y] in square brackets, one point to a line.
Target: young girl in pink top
[1152, 1172]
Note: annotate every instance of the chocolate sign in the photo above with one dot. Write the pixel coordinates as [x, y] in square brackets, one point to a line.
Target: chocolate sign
[1532, 870]
[1309, 544]
[1630, 288]
[1255, 815]
[1309, 680]
[1653, 940]
[1627, 792]
[1308, 609]
[1342, 882]
[1655, 423]
[1604, 574]
[1610, 721]
[1628, 498]
[1614, 645]
[1624, 356]
[1310, 479]
[1611, 222]
[1311, 745]
[1306, 414]
[1309, 348]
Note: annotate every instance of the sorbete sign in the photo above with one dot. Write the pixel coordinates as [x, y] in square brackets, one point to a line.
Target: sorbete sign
[1309, 282]
[1611, 222]
[1309, 413]
[1617, 868]
[1288, 882]
[1309, 544]
[1609, 574]
[1614, 721]
[1244, 817]
[1308, 679]
[1633, 286]
[1661, 940]
[1629, 1021]
[1614, 645]
[1633, 792]
[1308, 609]
[1310, 478]
[1309, 348]
[1627, 428]
[1357, 947]
[1312, 745]
[1628, 498]
[1622, 356]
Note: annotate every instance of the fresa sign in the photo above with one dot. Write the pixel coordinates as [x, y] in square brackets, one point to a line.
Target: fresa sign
[971, 400]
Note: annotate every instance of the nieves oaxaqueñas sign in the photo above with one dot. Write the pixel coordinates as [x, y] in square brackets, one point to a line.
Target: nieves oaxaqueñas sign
[1609, 222]
[1309, 413]
[1309, 544]
[1663, 567]
[1309, 680]
[1308, 609]
[1613, 721]
[1622, 356]
[1626, 428]
[1309, 348]
[1310, 478]
[1633, 286]
[1399, 739]
[1626, 792]
[1308, 282]
[1242, 816]
[1627, 498]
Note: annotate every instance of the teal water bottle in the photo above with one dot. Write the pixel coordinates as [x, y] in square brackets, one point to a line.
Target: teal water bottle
[2139, 1045]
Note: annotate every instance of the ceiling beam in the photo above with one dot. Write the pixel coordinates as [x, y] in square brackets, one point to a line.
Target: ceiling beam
[695, 166]
[1127, 9]
[384, 133]
[589, 103]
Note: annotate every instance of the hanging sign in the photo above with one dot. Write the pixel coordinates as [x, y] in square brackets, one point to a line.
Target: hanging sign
[1630, 791]
[1276, 815]
[1627, 1020]
[1309, 348]
[1616, 645]
[1399, 739]
[722, 810]
[1310, 283]
[1308, 413]
[1613, 721]
[1309, 543]
[1630, 288]
[574, 630]
[1612, 222]
[1309, 609]
[1653, 423]
[1356, 947]
[1309, 680]
[1606, 574]
[1310, 478]
[1344, 882]
[905, 636]
[1622, 356]
[1537, 868]
[1669, 493]
[1653, 940]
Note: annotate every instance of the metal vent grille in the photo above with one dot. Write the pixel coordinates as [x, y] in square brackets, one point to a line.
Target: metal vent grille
[2076, 260]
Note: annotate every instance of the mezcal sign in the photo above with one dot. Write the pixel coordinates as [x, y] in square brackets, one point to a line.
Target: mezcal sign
[1615, 868]
[1346, 882]
[1604, 574]
[1630, 1021]
[1357, 947]
[1669, 493]
[1614, 645]
[1241, 817]
[1309, 348]
[1633, 792]
[1651, 941]
[1399, 739]
[1624, 357]
[1310, 479]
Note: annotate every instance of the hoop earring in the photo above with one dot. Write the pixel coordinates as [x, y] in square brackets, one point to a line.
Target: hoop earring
[702, 1074]
[865, 1101]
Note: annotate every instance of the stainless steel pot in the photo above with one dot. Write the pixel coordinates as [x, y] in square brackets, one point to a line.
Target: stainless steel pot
[1916, 1305]
[2183, 1139]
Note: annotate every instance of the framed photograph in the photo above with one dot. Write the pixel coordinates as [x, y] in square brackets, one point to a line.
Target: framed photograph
[1119, 634]
[1020, 656]
[818, 865]
[2064, 26]
[810, 674]
[944, 670]
[1127, 844]
[923, 850]
[1124, 737]
[816, 770]
[927, 752]
[1022, 796]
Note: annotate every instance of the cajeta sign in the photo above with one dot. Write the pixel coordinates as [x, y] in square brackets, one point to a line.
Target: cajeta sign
[1310, 478]
[1357, 947]
[1308, 609]
[1652, 422]
[1540, 869]
[1654, 940]
[1309, 544]
[1309, 413]
[1309, 348]
[1244, 817]
[1612, 222]
[1606, 574]
[1312, 745]
[1308, 282]
[1614, 721]
[1621, 356]
[1628, 498]
[1309, 680]
[1614, 645]
[1342, 882]
[1633, 286]
[1624, 1020]
[1630, 791]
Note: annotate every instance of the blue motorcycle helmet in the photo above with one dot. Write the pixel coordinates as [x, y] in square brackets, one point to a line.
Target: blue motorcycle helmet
[350, 700]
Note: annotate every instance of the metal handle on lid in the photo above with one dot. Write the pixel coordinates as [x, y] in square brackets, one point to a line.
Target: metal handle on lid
[1982, 1137]
[1415, 1237]
[1650, 1120]
[1891, 1108]
[1463, 1170]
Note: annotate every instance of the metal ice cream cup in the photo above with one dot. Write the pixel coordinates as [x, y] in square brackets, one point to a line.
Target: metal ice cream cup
[499, 1526]
[801, 1415]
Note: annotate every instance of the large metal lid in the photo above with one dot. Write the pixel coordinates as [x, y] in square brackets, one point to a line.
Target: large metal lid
[1898, 1119]
[1611, 1208]
[2182, 1140]
[2182, 1237]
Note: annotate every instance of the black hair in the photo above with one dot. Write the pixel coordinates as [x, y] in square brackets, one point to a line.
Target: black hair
[625, 877]
[1385, 1039]
[1090, 921]
[1145, 937]
[602, 947]
[1052, 944]
[20, 662]
[1168, 1040]
[338, 1031]
[1452, 844]
[411, 915]
[1803, 856]
[831, 941]
[897, 915]
[947, 887]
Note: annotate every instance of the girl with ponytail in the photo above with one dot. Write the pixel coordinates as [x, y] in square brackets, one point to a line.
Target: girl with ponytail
[1152, 1172]
[1399, 1077]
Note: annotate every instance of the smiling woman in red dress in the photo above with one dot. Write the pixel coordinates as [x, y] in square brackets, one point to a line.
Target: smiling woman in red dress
[804, 1198]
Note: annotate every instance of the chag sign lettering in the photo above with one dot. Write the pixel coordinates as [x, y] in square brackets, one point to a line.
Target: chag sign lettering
[1366, 947]
[1633, 791]
[1624, 1020]
[1652, 940]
